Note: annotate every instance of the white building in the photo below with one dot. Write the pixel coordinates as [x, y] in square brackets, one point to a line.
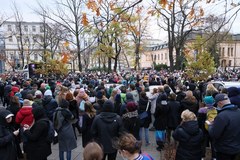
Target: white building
[29, 40]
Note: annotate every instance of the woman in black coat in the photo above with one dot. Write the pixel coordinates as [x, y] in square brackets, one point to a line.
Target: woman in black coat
[88, 117]
[131, 121]
[144, 105]
[38, 146]
[189, 136]
[7, 136]
[160, 123]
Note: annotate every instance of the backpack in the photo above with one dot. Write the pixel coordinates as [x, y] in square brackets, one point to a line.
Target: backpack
[211, 114]
[51, 131]
[58, 120]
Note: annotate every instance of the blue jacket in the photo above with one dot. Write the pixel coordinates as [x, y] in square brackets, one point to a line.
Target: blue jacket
[225, 130]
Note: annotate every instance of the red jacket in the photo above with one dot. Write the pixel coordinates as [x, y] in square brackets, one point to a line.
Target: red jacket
[24, 116]
[14, 90]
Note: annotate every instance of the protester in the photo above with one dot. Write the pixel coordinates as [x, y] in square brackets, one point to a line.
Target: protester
[189, 137]
[37, 145]
[88, 118]
[7, 136]
[92, 151]
[130, 149]
[107, 126]
[63, 119]
[225, 130]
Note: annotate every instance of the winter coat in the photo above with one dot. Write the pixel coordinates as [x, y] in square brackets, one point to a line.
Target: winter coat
[180, 96]
[225, 130]
[160, 116]
[25, 92]
[37, 145]
[66, 138]
[234, 96]
[24, 116]
[7, 139]
[153, 99]
[131, 123]
[86, 129]
[143, 102]
[50, 105]
[191, 105]
[135, 95]
[190, 138]
[107, 126]
[73, 107]
[174, 114]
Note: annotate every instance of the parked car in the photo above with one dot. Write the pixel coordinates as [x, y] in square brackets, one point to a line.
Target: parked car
[220, 84]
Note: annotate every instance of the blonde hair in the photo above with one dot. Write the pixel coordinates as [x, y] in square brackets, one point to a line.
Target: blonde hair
[188, 116]
[92, 151]
[210, 87]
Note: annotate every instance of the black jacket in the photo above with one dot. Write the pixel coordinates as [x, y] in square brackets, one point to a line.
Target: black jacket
[225, 130]
[49, 105]
[86, 129]
[7, 140]
[190, 137]
[107, 126]
[161, 118]
[37, 145]
[174, 114]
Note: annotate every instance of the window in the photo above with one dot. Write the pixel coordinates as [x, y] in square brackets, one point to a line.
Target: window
[161, 56]
[223, 50]
[26, 28]
[230, 63]
[34, 39]
[9, 28]
[228, 52]
[166, 56]
[11, 56]
[220, 51]
[158, 57]
[10, 39]
[35, 57]
[232, 51]
[17, 28]
[41, 29]
[34, 28]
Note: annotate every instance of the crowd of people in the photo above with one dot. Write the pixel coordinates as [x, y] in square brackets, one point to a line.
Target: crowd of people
[116, 120]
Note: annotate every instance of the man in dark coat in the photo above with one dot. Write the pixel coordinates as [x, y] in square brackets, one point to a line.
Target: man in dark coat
[7, 140]
[38, 146]
[225, 129]
[49, 104]
[107, 126]
[234, 95]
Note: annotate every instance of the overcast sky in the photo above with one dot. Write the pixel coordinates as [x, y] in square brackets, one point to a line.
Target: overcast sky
[26, 6]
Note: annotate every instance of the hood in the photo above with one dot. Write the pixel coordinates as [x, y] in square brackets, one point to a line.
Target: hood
[191, 127]
[129, 97]
[108, 117]
[233, 91]
[46, 100]
[38, 113]
[3, 114]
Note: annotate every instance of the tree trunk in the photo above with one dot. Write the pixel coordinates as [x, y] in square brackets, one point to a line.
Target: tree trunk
[109, 64]
[137, 67]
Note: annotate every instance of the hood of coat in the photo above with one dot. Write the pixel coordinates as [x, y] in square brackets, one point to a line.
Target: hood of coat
[129, 97]
[108, 117]
[191, 127]
[3, 114]
[46, 100]
[38, 113]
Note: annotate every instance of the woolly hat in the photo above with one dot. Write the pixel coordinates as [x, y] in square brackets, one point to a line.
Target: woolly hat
[48, 93]
[131, 106]
[99, 95]
[108, 106]
[38, 93]
[209, 100]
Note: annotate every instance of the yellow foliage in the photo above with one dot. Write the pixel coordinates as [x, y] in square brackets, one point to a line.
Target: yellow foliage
[91, 4]
[163, 3]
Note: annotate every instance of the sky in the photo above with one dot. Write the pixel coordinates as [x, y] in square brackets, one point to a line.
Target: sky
[26, 7]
